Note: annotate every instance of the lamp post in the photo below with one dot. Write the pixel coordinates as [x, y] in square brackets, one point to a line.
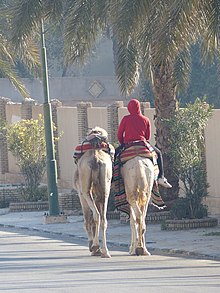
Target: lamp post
[50, 154]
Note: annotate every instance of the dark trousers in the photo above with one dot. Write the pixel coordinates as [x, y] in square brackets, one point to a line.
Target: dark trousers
[159, 162]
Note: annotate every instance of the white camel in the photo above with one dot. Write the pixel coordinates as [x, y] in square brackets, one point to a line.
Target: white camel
[138, 175]
[92, 179]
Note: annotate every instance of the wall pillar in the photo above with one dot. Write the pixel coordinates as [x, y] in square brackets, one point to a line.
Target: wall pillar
[113, 122]
[4, 166]
[26, 108]
[144, 105]
[83, 119]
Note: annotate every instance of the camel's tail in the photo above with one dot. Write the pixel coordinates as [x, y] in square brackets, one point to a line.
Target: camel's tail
[76, 179]
[145, 183]
[95, 165]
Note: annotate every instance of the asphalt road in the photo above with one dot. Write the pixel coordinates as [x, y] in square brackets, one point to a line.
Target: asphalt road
[31, 261]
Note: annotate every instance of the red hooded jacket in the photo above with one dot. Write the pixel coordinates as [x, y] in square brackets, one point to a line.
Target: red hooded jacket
[134, 126]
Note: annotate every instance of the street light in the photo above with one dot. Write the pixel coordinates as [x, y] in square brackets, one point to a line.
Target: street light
[48, 125]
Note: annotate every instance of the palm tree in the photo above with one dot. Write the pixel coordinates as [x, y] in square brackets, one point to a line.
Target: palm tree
[135, 27]
[191, 22]
[9, 55]
[153, 39]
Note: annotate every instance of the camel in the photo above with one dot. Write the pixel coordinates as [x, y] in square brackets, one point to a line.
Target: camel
[138, 175]
[92, 180]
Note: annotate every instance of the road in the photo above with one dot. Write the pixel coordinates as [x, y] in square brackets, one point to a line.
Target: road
[40, 262]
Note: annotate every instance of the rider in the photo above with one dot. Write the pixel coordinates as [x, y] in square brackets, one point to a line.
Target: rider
[136, 127]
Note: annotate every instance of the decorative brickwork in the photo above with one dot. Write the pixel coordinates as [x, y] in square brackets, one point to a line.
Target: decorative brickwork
[8, 195]
[26, 108]
[189, 224]
[151, 218]
[112, 112]
[29, 206]
[157, 217]
[3, 140]
[69, 202]
[113, 215]
[54, 105]
[83, 119]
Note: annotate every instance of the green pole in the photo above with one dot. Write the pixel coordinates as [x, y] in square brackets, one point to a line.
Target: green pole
[51, 162]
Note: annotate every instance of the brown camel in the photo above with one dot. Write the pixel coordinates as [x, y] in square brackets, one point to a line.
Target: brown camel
[92, 179]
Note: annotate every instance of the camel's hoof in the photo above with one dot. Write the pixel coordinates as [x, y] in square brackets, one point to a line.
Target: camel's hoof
[96, 251]
[107, 255]
[142, 251]
[146, 252]
[90, 245]
[139, 251]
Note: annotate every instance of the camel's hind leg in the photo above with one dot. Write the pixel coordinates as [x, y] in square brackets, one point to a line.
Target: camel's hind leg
[145, 228]
[96, 222]
[134, 234]
[102, 193]
[104, 224]
[91, 226]
[138, 228]
[87, 221]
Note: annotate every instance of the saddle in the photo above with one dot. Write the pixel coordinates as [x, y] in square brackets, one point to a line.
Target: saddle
[94, 140]
[127, 152]
[137, 148]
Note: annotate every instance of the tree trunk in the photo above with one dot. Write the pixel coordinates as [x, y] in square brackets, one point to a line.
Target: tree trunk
[165, 106]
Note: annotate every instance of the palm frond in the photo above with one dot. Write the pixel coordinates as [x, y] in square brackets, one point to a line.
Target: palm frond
[209, 32]
[54, 9]
[7, 71]
[127, 67]
[175, 28]
[145, 57]
[4, 52]
[82, 27]
[129, 16]
[25, 19]
[218, 61]
[182, 69]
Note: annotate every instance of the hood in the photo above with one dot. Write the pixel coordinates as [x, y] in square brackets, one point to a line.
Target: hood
[134, 107]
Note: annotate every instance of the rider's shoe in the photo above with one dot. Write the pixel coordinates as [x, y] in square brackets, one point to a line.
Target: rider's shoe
[163, 182]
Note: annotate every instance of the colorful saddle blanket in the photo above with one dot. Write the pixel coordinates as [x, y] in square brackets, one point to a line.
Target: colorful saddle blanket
[85, 146]
[118, 183]
[141, 149]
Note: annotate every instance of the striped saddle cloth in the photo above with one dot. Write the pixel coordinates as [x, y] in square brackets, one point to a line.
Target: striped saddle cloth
[86, 145]
[130, 152]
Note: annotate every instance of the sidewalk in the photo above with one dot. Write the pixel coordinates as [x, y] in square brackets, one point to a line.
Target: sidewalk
[203, 242]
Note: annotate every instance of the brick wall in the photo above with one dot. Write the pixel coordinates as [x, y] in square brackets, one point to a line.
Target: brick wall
[69, 202]
[8, 195]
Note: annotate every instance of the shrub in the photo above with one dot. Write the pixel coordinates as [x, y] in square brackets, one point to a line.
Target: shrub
[40, 194]
[26, 141]
[187, 152]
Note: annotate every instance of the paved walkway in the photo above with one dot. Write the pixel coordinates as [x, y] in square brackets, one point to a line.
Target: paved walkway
[203, 242]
